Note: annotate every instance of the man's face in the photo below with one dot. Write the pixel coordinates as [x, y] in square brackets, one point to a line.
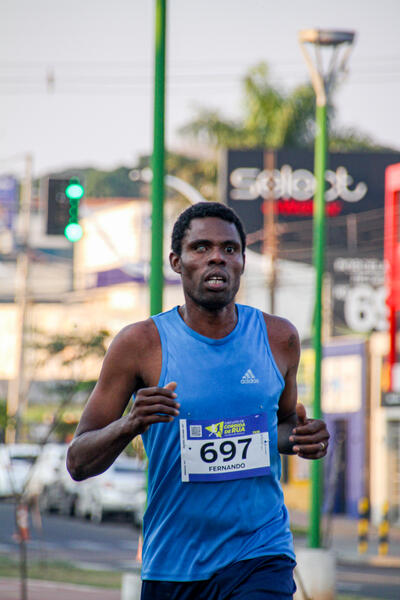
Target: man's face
[211, 262]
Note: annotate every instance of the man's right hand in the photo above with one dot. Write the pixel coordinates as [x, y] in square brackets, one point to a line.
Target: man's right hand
[153, 405]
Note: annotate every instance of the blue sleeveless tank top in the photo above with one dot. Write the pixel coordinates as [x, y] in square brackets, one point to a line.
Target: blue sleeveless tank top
[193, 528]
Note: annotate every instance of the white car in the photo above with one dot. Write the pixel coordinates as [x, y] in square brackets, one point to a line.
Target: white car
[45, 469]
[117, 491]
[16, 461]
[140, 501]
[60, 494]
[49, 482]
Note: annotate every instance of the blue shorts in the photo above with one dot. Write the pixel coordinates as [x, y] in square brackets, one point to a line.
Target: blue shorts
[263, 578]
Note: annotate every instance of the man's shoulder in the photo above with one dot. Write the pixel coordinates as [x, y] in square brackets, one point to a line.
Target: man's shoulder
[142, 335]
[278, 324]
[284, 342]
[282, 332]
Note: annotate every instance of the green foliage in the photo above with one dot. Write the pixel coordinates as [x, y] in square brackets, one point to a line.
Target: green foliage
[70, 350]
[105, 184]
[3, 418]
[211, 128]
[350, 140]
[64, 430]
[73, 347]
[201, 174]
[273, 118]
[61, 572]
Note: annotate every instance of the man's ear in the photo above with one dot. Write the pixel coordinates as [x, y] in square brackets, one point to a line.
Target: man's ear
[175, 262]
[244, 263]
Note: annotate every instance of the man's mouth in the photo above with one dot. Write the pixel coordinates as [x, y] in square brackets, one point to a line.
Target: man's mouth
[215, 282]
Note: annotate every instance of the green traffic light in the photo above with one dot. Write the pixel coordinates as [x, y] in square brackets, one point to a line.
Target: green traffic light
[73, 232]
[74, 190]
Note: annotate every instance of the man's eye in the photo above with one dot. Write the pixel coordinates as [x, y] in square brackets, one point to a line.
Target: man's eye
[201, 248]
[229, 249]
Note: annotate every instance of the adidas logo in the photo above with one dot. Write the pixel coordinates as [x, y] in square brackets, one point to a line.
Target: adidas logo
[249, 377]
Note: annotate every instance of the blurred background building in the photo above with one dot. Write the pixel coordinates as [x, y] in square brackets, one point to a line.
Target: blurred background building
[62, 302]
[100, 284]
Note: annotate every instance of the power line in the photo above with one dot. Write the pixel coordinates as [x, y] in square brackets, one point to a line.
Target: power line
[180, 62]
[111, 89]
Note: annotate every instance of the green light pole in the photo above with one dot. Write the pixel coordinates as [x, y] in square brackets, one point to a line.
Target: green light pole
[322, 81]
[157, 195]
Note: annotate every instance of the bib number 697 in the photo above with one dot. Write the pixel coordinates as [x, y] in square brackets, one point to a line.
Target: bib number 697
[209, 454]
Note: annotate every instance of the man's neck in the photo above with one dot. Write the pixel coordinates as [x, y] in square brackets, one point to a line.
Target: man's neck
[210, 323]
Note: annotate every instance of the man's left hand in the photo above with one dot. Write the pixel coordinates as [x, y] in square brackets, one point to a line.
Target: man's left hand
[310, 437]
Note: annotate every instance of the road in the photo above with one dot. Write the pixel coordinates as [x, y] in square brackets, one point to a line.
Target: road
[364, 581]
[113, 545]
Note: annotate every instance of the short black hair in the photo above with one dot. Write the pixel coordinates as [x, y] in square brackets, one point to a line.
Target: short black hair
[200, 211]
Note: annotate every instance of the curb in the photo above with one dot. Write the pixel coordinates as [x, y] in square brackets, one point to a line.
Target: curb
[389, 562]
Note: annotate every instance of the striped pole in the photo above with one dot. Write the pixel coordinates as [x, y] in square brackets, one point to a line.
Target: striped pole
[363, 525]
[383, 531]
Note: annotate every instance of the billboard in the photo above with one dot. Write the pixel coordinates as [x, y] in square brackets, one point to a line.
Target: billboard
[9, 199]
[252, 180]
[9, 205]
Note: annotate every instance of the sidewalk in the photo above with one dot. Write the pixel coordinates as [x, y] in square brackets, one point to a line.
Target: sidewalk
[342, 537]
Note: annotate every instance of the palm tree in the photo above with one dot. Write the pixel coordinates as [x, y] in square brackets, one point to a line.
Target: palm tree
[273, 118]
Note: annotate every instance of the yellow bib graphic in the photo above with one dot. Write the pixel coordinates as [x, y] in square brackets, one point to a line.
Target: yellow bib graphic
[216, 429]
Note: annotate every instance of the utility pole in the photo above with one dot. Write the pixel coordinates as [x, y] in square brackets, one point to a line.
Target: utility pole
[269, 237]
[16, 400]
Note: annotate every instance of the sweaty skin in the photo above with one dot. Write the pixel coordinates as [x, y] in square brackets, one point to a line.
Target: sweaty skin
[210, 264]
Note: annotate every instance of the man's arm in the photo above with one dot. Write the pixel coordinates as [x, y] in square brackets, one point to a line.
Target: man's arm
[103, 430]
[287, 418]
[296, 433]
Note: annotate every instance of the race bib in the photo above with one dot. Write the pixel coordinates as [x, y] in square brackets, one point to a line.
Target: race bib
[221, 450]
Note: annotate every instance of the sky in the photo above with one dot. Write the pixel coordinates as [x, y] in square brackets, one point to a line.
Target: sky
[76, 76]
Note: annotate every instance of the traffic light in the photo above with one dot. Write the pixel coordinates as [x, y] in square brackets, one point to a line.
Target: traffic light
[63, 208]
[57, 206]
[74, 192]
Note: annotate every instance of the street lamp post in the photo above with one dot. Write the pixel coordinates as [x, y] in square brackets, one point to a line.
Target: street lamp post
[323, 76]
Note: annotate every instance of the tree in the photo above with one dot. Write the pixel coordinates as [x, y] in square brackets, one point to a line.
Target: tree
[200, 173]
[3, 419]
[104, 184]
[108, 184]
[273, 118]
[69, 351]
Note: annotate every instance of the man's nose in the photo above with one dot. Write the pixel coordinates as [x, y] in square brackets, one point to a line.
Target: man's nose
[216, 256]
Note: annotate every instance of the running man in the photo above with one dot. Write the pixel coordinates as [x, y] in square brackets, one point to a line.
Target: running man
[215, 403]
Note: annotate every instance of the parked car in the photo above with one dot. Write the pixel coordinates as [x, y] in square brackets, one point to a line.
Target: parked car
[45, 469]
[16, 461]
[117, 491]
[139, 501]
[60, 495]
[49, 482]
